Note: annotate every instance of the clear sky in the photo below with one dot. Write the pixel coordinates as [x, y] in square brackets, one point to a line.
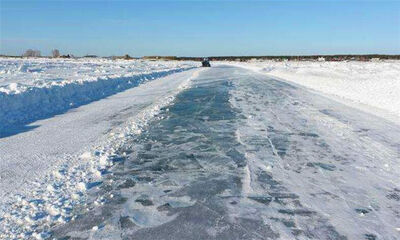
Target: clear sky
[200, 28]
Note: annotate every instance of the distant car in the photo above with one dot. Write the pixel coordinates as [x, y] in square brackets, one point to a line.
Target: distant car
[205, 63]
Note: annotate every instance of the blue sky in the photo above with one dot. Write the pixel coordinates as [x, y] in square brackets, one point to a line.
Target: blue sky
[200, 28]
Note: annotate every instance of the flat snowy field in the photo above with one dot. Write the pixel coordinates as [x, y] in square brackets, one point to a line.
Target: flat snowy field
[19, 75]
[371, 86]
[33, 89]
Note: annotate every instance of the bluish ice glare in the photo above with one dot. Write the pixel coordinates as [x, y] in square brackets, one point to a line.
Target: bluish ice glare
[242, 156]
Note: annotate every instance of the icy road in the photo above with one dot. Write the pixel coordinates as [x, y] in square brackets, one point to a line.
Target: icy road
[238, 155]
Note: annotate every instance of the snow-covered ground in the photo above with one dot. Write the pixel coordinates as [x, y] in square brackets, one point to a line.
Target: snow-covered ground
[236, 155]
[47, 161]
[18, 75]
[371, 86]
[46, 171]
[32, 89]
[236, 148]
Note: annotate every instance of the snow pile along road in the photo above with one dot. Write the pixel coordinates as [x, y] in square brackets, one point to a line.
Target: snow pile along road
[46, 172]
[32, 89]
[375, 84]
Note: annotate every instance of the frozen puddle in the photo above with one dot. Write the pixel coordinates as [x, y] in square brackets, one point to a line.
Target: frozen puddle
[241, 156]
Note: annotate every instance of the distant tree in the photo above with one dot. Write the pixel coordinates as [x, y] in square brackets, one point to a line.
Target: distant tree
[55, 53]
[127, 57]
[28, 53]
[36, 53]
[32, 53]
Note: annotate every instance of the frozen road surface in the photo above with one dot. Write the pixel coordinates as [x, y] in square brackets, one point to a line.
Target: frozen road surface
[238, 155]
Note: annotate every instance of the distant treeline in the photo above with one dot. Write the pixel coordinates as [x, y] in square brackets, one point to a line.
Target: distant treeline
[342, 57]
[297, 58]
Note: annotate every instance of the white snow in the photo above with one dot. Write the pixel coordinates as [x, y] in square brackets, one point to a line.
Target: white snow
[17, 75]
[46, 171]
[32, 89]
[371, 86]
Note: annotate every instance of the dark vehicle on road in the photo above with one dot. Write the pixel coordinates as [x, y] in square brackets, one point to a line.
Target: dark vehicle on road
[205, 63]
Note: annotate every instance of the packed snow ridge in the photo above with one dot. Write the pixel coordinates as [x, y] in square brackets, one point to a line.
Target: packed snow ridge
[372, 86]
[32, 89]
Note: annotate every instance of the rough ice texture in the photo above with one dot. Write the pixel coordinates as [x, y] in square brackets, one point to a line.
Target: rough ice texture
[32, 89]
[375, 84]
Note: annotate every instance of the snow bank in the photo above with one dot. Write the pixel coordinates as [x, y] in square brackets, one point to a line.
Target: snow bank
[375, 84]
[38, 88]
[51, 199]
[17, 74]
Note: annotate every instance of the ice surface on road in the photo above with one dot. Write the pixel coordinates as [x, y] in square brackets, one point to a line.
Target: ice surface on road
[243, 156]
[45, 172]
[341, 163]
[33, 89]
[375, 84]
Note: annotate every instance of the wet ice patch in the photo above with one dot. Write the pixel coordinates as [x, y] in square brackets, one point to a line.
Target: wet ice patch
[146, 211]
[178, 202]
[325, 166]
[149, 217]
